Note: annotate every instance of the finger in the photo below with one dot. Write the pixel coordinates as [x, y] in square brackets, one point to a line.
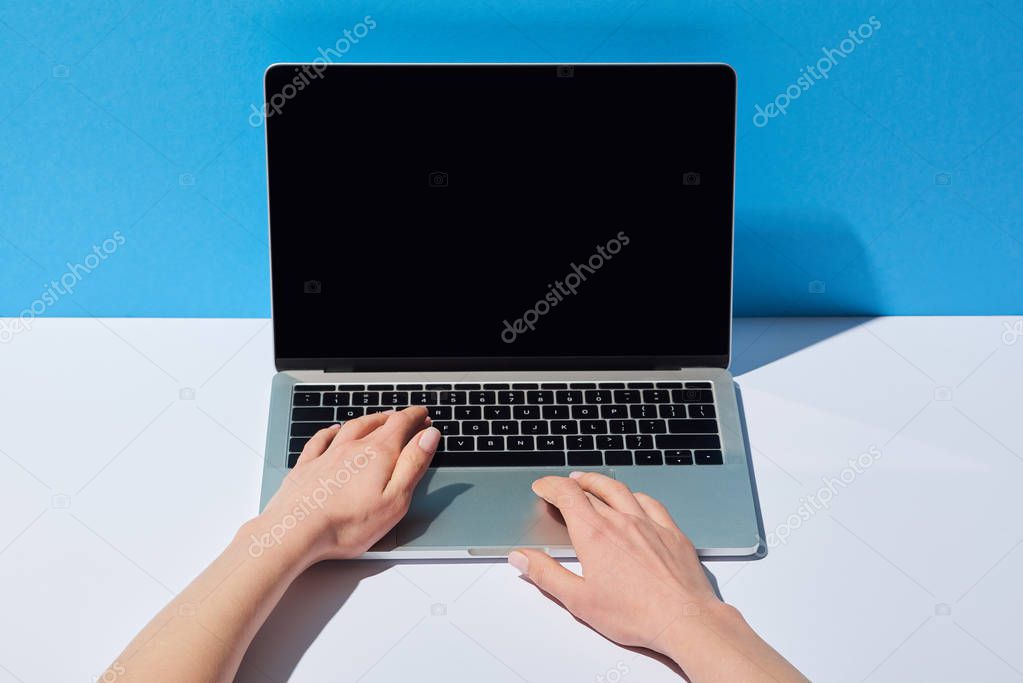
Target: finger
[362, 426]
[655, 510]
[563, 493]
[600, 506]
[548, 575]
[611, 491]
[318, 443]
[413, 462]
[400, 427]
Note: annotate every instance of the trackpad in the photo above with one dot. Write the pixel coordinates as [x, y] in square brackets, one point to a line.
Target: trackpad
[491, 511]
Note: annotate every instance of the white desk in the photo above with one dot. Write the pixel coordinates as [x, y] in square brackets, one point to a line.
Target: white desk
[130, 451]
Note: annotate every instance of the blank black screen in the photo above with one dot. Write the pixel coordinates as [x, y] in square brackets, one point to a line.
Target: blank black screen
[428, 211]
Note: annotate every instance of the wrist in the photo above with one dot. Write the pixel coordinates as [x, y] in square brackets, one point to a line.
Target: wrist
[697, 627]
[291, 541]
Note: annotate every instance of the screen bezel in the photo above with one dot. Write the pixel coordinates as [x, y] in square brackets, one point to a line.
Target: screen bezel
[508, 363]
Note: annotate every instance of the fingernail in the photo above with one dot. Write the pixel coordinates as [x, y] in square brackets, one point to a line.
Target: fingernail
[429, 421]
[519, 561]
[576, 475]
[430, 440]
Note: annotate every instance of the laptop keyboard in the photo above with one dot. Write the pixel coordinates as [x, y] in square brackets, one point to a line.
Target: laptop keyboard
[534, 425]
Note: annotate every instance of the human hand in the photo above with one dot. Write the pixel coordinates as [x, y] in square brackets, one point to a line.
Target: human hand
[350, 486]
[641, 574]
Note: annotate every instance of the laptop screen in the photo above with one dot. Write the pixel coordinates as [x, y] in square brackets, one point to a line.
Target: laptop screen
[510, 212]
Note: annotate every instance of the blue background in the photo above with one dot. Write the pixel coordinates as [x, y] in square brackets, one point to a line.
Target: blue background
[896, 182]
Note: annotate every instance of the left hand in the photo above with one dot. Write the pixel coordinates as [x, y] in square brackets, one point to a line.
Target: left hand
[350, 486]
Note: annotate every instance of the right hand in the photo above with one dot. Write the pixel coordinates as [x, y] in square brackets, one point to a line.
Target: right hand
[641, 577]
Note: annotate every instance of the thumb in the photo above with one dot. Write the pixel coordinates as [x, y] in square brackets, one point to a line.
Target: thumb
[412, 462]
[548, 575]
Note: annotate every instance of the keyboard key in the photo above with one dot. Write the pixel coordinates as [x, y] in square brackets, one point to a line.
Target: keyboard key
[585, 412]
[308, 428]
[697, 385]
[534, 427]
[526, 412]
[496, 386]
[627, 396]
[598, 396]
[669, 385]
[481, 398]
[607, 442]
[292, 459]
[672, 411]
[467, 387]
[365, 398]
[677, 456]
[612, 385]
[693, 426]
[505, 427]
[351, 387]
[708, 457]
[314, 387]
[564, 427]
[422, 398]
[582, 385]
[553, 385]
[692, 396]
[499, 459]
[476, 427]
[687, 441]
[453, 398]
[579, 443]
[380, 387]
[438, 387]
[523, 387]
[306, 399]
[585, 458]
[639, 441]
[511, 397]
[622, 426]
[614, 412]
[643, 411]
[540, 397]
[335, 399]
[701, 410]
[521, 443]
[377, 409]
[349, 413]
[652, 427]
[550, 443]
[459, 443]
[656, 396]
[303, 414]
[490, 443]
[497, 412]
[297, 443]
[618, 458]
[394, 398]
[555, 412]
[593, 427]
[569, 397]
[641, 385]
[649, 458]
[410, 387]
[439, 412]
[468, 413]
[447, 427]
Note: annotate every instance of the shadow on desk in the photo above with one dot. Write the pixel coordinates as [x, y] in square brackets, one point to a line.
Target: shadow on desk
[303, 612]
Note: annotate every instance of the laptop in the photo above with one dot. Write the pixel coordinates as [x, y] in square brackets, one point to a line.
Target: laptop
[539, 254]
